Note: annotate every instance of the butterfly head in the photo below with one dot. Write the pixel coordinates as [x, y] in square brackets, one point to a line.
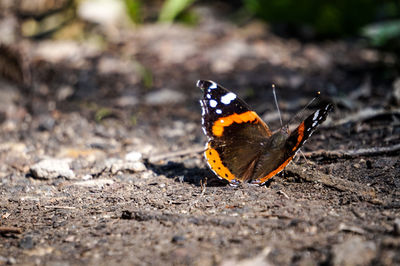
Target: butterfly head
[279, 138]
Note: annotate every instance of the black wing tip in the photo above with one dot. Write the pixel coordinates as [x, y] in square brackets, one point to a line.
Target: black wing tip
[200, 83]
[205, 84]
[329, 107]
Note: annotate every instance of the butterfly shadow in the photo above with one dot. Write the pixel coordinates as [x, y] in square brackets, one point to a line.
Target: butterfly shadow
[192, 175]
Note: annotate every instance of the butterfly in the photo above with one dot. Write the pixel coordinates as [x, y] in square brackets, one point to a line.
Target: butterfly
[240, 146]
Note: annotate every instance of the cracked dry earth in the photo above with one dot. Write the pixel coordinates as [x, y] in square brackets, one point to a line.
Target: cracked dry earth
[88, 174]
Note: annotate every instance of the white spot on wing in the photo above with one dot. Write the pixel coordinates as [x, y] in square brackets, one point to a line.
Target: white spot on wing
[213, 85]
[315, 115]
[208, 96]
[218, 111]
[213, 103]
[203, 108]
[227, 98]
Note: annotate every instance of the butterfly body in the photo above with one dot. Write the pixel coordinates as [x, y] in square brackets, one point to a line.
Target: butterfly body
[240, 146]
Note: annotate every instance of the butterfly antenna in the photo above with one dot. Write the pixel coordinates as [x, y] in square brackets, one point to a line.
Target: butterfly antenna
[305, 107]
[276, 103]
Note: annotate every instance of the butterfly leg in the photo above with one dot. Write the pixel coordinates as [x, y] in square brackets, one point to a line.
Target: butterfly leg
[234, 183]
[256, 182]
[304, 156]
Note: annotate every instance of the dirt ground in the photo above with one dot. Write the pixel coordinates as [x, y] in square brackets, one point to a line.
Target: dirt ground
[100, 159]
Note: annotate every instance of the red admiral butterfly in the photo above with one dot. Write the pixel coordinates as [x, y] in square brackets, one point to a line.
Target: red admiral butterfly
[240, 146]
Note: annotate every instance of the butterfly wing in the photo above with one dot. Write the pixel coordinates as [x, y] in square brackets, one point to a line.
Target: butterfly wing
[236, 135]
[299, 136]
[293, 143]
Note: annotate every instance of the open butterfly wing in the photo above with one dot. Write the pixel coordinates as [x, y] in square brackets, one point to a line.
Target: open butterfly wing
[234, 131]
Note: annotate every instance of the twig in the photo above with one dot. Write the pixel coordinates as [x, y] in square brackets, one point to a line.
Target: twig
[283, 193]
[362, 115]
[353, 229]
[10, 230]
[174, 154]
[338, 154]
[60, 207]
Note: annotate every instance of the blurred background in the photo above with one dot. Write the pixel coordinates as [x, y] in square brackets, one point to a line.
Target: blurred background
[101, 140]
[130, 61]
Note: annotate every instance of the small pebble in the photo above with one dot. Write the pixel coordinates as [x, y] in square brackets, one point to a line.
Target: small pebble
[164, 96]
[133, 156]
[101, 182]
[178, 239]
[147, 174]
[11, 260]
[127, 101]
[52, 168]
[127, 166]
[70, 239]
[87, 177]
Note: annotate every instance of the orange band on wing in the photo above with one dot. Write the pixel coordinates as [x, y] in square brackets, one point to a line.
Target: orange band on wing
[300, 131]
[218, 127]
[215, 163]
[275, 172]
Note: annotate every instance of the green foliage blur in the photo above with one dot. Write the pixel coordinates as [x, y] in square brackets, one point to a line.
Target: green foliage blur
[169, 10]
[134, 10]
[172, 8]
[326, 18]
[382, 33]
[329, 18]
